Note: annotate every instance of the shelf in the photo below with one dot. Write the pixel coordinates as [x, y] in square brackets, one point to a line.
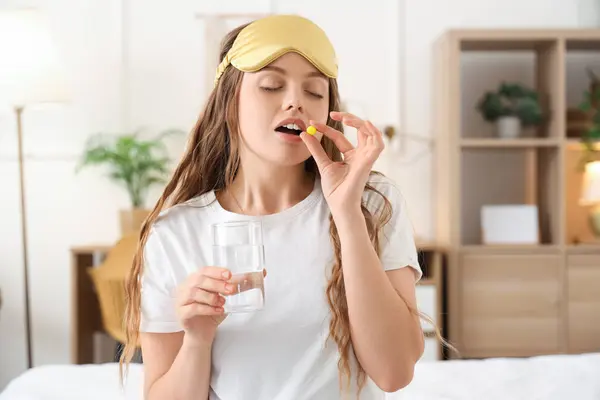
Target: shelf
[591, 43]
[509, 143]
[511, 249]
[510, 176]
[429, 246]
[573, 144]
[515, 300]
[502, 40]
[427, 282]
[91, 248]
[536, 65]
[473, 39]
[534, 57]
[576, 144]
[584, 248]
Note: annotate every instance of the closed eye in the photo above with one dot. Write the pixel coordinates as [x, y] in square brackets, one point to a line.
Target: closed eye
[270, 89]
[274, 89]
[317, 95]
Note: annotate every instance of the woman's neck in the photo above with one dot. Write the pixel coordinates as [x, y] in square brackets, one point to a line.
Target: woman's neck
[269, 190]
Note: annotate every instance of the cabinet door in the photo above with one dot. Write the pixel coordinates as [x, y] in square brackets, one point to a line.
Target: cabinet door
[583, 276]
[510, 304]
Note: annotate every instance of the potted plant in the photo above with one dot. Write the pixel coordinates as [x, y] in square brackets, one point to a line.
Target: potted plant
[511, 107]
[133, 162]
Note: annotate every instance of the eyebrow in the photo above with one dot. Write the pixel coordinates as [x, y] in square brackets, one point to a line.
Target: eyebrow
[282, 71]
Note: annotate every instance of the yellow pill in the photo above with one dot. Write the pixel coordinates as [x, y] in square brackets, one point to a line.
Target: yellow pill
[311, 130]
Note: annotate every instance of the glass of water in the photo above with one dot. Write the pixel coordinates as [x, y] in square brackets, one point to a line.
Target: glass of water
[238, 246]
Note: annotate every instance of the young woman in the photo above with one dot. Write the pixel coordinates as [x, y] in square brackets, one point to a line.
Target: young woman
[340, 316]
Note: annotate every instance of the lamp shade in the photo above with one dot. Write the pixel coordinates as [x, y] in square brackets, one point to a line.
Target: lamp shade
[30, 68]
[590, 194]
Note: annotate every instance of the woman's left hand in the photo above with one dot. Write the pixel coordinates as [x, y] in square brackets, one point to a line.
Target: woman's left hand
[343, 182]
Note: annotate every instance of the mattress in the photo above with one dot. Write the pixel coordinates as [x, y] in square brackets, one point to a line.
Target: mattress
[551, 377]
[76, 382]
[555, 377]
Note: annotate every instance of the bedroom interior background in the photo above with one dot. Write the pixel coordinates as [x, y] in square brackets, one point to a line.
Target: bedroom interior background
[116, 30]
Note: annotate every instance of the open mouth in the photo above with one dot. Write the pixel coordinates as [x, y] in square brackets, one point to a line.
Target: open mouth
[290, 129]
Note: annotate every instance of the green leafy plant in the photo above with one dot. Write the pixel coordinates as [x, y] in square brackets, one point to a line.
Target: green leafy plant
[591, 106]
[511, 99]
[132, 161]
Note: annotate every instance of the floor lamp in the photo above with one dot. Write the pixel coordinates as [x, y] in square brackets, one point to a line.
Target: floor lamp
[30, 74]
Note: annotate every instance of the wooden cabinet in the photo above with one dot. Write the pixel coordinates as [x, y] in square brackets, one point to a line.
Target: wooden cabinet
[521, 303]
[583, 288]
[510, 304]
[514, 297]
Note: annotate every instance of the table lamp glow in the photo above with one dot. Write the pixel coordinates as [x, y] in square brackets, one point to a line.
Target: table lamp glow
[590, 195]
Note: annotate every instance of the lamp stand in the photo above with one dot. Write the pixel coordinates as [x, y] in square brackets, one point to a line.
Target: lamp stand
[19, 112]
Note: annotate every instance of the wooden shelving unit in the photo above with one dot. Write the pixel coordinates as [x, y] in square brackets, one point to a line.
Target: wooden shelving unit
[512, 300]
[508, 143]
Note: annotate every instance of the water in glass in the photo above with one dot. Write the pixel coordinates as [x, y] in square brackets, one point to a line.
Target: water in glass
[238, 247]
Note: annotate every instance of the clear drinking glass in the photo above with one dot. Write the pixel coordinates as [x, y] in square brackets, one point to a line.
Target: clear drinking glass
[238, 246]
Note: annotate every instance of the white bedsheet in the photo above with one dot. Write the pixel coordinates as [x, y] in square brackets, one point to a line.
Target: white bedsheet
[76, 382]
[561, 377]
[556, 377]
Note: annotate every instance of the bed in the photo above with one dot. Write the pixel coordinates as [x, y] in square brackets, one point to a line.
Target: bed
[75, 382]
[556, 377]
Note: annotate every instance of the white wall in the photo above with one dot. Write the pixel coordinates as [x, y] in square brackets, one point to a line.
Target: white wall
[147, 72]
[63, 209]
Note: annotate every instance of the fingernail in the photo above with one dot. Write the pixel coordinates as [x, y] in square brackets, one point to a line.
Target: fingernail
[229, 288]
[226, 274]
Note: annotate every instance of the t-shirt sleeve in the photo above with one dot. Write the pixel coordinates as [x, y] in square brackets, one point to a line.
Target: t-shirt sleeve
[397, 242]
[158, 288]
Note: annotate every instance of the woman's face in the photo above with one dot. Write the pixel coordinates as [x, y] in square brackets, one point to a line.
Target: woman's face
[276, 104]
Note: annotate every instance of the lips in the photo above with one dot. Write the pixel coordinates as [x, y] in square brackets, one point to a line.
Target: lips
[291, 126]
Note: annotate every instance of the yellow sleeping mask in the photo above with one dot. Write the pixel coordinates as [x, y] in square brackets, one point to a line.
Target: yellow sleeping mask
[266, 39]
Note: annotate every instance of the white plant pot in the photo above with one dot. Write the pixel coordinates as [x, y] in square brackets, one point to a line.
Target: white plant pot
[508, 127]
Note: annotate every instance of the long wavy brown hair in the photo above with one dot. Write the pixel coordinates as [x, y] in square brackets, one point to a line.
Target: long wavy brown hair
[211, 162]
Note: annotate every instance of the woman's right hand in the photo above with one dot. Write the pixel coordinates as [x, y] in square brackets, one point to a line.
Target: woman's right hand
[200, 303]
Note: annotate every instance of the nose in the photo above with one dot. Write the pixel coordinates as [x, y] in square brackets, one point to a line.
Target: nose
[293, 99]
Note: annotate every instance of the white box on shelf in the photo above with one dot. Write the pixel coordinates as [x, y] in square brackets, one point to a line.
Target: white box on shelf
[510, 224]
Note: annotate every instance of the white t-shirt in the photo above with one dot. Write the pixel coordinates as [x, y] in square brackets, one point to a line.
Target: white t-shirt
[280, 352]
